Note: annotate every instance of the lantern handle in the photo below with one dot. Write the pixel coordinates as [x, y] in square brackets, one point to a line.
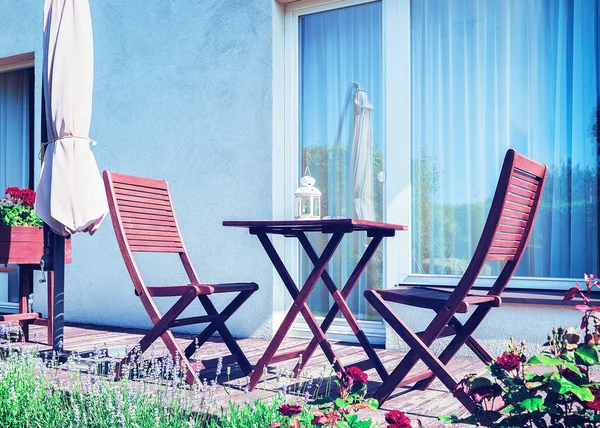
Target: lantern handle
[307, 171]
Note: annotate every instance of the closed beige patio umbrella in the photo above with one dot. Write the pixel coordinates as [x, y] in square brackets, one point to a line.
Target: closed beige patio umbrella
[70, 193]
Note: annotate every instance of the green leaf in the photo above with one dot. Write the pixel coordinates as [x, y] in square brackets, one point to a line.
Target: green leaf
[363, 424]
[342, 424]
[357, 390]
[564, 385]
[508, 409]
[373, 403]
[447, 419]
[547, 361]
[352, 419]
[583, 393]
[531, 404]
[588, 355]
[340, 403]
[572, 367]
[479, 381]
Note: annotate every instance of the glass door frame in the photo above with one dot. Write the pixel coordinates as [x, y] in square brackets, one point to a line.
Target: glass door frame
[396, 89]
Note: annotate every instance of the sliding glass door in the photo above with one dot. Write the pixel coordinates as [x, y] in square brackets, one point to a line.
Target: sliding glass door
[341, 134]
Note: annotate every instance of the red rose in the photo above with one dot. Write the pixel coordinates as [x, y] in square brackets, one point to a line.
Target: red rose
[357, 375]
[508, 361]
[289, 409]
[593, 405]
[397, 419]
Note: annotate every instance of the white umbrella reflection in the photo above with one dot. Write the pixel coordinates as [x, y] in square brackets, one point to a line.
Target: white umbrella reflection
[362, 157]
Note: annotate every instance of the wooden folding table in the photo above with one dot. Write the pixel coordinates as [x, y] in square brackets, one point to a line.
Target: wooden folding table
[298, 229]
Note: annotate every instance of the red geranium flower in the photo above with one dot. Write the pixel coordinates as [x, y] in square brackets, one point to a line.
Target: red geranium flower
[508, 361]
[21, 196]
[593, 405]
[397, 419]
[289, 409]
[357, 375]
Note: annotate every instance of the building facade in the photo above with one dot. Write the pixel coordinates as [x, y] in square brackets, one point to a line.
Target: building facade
[230, 100]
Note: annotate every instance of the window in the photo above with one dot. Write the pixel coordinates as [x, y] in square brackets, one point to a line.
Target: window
[453, 85]
[16, 140]
[488, 76]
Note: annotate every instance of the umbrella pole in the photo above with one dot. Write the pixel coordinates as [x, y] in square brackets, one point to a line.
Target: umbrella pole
[59, 291]
[54, 260]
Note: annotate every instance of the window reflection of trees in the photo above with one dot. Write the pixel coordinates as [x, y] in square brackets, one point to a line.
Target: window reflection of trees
[320, 158]
[442, 244]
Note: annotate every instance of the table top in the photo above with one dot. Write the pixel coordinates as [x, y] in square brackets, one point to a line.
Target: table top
[323, 226]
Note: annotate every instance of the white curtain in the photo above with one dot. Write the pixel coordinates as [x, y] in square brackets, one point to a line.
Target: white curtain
[15, 126]
[488, 75]
[14, 129]
[339, 49]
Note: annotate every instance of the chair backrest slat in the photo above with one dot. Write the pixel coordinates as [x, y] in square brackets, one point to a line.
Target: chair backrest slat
[144, 221]
[509, 223]
[145, 214]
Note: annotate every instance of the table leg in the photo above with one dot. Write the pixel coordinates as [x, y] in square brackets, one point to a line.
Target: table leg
[341, 305]
[25, 284]
[299, 305]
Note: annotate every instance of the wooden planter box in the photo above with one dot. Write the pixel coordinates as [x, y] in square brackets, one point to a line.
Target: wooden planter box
[25, 245]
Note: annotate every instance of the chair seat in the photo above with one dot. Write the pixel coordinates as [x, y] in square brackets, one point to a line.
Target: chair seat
[432, 298]
[180, 290]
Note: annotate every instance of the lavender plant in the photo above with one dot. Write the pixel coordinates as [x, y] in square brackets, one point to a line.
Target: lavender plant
[151, 392]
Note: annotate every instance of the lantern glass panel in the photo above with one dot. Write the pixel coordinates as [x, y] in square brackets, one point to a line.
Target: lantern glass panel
[317, 206]
[305, 206]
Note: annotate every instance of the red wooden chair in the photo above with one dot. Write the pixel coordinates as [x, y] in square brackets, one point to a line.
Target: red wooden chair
[504, 238]
[144, 221]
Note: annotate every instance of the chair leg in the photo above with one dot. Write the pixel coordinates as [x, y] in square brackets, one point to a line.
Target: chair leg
[220, 326]
[463, 336]
[419, 350]
[161, 329]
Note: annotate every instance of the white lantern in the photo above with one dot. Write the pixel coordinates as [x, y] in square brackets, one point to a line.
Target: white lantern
[308, 199]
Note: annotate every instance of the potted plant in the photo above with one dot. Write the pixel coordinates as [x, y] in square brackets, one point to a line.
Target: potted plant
[21, 235]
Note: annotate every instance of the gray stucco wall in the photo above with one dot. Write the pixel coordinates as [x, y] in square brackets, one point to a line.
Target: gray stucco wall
[529, 322]
[182, 92]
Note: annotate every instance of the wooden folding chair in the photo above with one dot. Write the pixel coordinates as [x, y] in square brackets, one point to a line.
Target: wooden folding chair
[144, 221]
[504, 238]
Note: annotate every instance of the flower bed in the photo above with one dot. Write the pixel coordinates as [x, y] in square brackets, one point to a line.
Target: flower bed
[17, 208]
[21, 235]
[21, 238]
[153, 393]
[552, 389]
